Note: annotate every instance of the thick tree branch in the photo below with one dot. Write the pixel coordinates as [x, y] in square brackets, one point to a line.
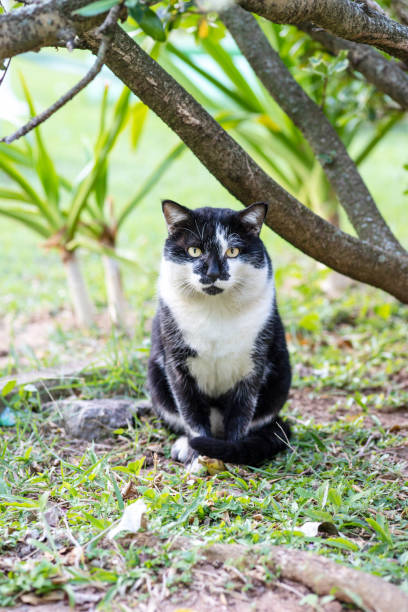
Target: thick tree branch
[387, 76]
[106, 30]
[317, 129]
[42, 24]
[238, 172]
[343, 18]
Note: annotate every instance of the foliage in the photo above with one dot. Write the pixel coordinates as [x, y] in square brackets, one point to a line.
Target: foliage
[240, 102]
[258, 122]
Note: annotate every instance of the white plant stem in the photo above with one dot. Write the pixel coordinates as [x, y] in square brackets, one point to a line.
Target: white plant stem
[116, 298]
[83, 307]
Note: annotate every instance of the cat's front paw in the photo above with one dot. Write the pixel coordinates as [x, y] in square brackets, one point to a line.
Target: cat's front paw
[182, 451]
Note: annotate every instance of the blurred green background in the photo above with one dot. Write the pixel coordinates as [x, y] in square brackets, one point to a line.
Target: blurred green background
[33, 281]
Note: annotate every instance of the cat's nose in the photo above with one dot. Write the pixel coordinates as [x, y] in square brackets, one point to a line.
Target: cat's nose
[213, 271]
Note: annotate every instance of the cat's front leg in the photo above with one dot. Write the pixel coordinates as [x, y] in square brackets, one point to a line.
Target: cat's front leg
[195, 414]
[191, 403]
[240, 405]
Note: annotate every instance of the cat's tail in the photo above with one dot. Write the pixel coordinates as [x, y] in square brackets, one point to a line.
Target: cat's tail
[255, 448]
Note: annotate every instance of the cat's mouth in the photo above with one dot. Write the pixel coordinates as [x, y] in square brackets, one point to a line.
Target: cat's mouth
[212, 290]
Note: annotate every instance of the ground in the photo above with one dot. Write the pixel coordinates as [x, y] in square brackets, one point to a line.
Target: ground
[346, 467]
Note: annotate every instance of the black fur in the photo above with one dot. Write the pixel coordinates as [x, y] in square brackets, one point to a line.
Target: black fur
[252, 430]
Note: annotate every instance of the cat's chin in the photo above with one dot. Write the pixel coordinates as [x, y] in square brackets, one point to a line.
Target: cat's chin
[213, 290]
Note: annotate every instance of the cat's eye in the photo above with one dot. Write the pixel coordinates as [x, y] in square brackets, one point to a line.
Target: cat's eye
[232, 252]
[194, 251]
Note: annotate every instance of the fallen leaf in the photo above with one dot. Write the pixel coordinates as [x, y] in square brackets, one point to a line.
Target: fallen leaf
[129, 490]
[131, 519]
[74, 556]
[34, 600]
[213, 466]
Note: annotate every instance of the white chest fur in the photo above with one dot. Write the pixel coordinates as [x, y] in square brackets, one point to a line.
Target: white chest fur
[221, 329]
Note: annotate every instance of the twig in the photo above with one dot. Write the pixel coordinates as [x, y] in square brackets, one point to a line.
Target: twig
[8, 63]
[106, 29]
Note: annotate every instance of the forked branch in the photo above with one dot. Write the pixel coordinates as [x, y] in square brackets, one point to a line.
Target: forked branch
[345, 18]
[317, 129]
[388, 76]
[238, 172]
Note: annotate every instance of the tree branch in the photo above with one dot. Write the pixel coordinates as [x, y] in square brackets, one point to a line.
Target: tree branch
[387, 76]
[106, 30]
[42, 24]
[317, 129]
[238, 172]
[401, 8]
[344, 18]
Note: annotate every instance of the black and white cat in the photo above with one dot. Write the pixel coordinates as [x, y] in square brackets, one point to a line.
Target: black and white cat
[219, 369]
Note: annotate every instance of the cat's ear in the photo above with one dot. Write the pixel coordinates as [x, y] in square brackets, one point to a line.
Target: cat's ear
[174, 214]
[253, 217]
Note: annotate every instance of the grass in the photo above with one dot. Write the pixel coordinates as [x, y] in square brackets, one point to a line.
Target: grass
[58, 497]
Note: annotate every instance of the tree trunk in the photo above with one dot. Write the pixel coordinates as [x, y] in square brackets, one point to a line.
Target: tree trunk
[114, 289]
[81, 301]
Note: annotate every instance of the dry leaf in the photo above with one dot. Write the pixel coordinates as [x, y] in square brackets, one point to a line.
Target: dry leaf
[34, 600]
[129, 490]
[213, 466]
[131, 519]
[74, 556]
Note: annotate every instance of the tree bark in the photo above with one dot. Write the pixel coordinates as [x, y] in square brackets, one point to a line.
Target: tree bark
[238, 172]
[339, 168]
[114, 289]
[344, 18]
[388, 76]
[42, 24]
[83, 307]
[224, 158]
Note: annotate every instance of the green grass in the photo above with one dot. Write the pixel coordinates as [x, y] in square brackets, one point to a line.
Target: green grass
[55, 491]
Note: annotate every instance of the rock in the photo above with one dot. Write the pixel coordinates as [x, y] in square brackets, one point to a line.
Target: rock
[98, 418]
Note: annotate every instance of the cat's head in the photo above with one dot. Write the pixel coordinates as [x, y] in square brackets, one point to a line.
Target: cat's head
[210, 251]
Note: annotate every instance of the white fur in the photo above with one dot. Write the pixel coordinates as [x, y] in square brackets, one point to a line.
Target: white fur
[255, 423]
[222, 240]
[173, 419]
[216, 423]
[180, 449]
[221, 328]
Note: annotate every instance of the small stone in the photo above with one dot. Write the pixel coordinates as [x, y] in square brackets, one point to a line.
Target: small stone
[98, 418]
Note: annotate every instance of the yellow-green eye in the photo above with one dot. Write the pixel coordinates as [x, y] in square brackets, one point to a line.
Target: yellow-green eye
[194, 251]
[232, 252]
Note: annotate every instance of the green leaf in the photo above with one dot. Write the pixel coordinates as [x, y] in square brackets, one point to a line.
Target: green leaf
[381, 528]
[121, 503]
[43, 164]
[18, 178]
[16, 154]
[95, 8]
[342, 543]
[138, 119]
[148, 21]
[8, 387]
[10, 194]
[151, 181]
[31, 220]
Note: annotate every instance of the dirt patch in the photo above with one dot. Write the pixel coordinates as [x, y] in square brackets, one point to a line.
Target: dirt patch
[327, 407]
[51, 337]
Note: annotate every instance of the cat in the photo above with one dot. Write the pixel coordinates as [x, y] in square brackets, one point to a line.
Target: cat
[219, 369]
